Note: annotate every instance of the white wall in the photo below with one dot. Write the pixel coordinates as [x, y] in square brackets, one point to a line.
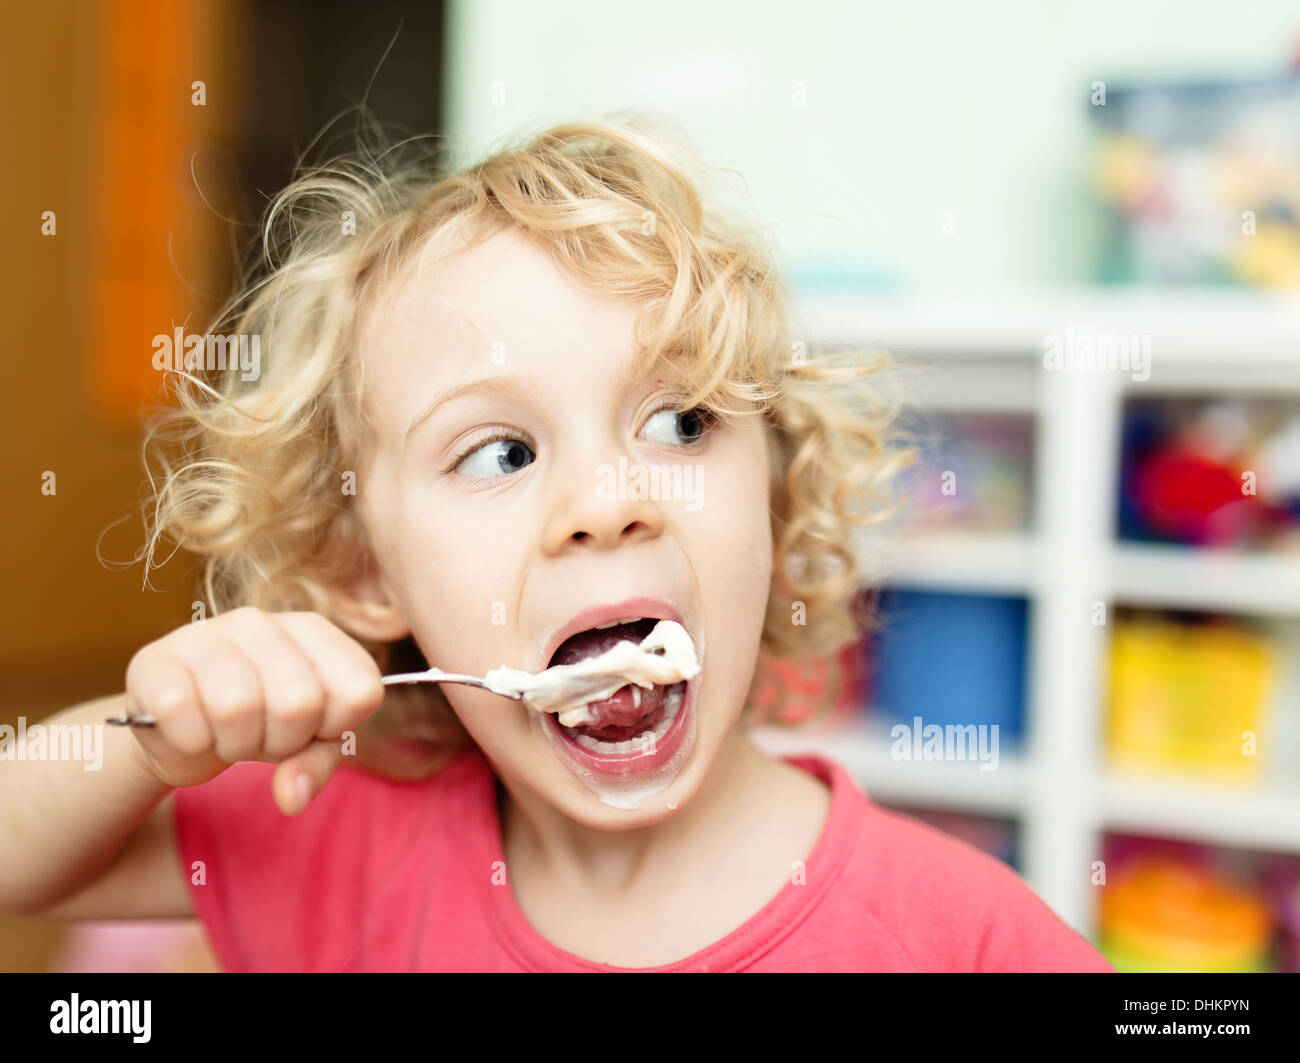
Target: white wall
[911, 109]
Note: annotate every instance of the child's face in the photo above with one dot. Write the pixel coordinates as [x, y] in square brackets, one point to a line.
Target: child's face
[487, 553]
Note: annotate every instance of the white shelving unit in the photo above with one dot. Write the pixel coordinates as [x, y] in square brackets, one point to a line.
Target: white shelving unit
[987, 355]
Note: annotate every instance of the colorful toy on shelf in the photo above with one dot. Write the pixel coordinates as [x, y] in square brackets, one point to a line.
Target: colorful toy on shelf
[1211, 473]
[1202, 182]
[951, 659]
[974, 474]
[1191, 499]
[1188, 698]
[1168, 913]
[1284, 883]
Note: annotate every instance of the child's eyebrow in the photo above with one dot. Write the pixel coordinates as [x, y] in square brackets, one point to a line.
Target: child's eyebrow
[507, 387]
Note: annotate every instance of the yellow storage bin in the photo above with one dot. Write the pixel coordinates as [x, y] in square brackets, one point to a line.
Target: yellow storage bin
[1182, 696]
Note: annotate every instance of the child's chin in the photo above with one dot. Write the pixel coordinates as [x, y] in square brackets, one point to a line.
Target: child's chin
[599, 816]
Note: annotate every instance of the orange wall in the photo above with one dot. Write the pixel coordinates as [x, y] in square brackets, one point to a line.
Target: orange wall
[69, 625]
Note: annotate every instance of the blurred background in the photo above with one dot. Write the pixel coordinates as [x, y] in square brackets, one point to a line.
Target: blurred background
[1100, 562]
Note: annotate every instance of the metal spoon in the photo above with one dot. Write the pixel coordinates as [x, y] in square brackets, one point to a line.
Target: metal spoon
[433, 675]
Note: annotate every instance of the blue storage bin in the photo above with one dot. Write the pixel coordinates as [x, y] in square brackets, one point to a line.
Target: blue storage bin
[950, 659]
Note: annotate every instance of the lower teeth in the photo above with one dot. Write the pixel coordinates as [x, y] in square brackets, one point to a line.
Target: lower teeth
[672, 703]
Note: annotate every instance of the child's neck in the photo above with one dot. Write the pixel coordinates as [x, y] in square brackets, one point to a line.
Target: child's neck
[612, 862]
[657, 894]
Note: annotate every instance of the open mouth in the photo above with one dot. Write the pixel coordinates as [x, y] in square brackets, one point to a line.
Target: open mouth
[631, 718]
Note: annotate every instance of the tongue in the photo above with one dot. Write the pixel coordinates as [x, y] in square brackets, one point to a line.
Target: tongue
[619, 717]
[630, 709]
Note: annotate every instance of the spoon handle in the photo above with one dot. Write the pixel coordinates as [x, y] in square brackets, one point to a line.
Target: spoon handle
[433, 675]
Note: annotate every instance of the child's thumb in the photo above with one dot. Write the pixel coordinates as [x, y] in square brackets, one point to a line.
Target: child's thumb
[301, 777]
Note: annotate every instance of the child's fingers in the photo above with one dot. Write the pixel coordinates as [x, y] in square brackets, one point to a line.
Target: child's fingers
[253, 686]
[300, 778]
[294, 694]
[231, 694]
[349, 674]
[159, 684]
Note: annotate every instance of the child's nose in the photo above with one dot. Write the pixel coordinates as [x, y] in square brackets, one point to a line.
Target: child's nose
[601, 510]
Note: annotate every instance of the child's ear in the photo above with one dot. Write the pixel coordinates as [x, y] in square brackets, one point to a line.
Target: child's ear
[367, 607]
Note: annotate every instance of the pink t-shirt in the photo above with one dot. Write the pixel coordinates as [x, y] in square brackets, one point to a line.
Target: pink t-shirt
[380, 875]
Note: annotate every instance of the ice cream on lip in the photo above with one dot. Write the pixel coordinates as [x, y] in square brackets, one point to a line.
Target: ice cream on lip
[664, 657]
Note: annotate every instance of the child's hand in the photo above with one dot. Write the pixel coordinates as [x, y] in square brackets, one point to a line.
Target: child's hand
[251, 685]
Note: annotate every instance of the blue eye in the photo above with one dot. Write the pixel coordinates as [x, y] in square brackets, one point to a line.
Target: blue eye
[498, 455]
[502, 452]
[690, 425]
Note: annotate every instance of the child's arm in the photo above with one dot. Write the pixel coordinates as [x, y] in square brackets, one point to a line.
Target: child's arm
[279, 688]
[89, 844]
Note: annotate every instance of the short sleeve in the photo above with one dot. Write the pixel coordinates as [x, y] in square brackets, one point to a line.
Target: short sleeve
[954, 908]
[1023, 934]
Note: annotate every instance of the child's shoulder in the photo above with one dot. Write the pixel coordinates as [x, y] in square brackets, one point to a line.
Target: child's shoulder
[892, 845]
[946, 904]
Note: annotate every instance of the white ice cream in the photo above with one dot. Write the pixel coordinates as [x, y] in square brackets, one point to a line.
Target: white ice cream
[567, 688]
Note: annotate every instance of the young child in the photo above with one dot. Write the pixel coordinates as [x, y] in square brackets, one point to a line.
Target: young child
[465, 383]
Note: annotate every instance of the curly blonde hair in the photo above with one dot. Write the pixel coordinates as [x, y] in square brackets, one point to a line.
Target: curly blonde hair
[245, 473]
